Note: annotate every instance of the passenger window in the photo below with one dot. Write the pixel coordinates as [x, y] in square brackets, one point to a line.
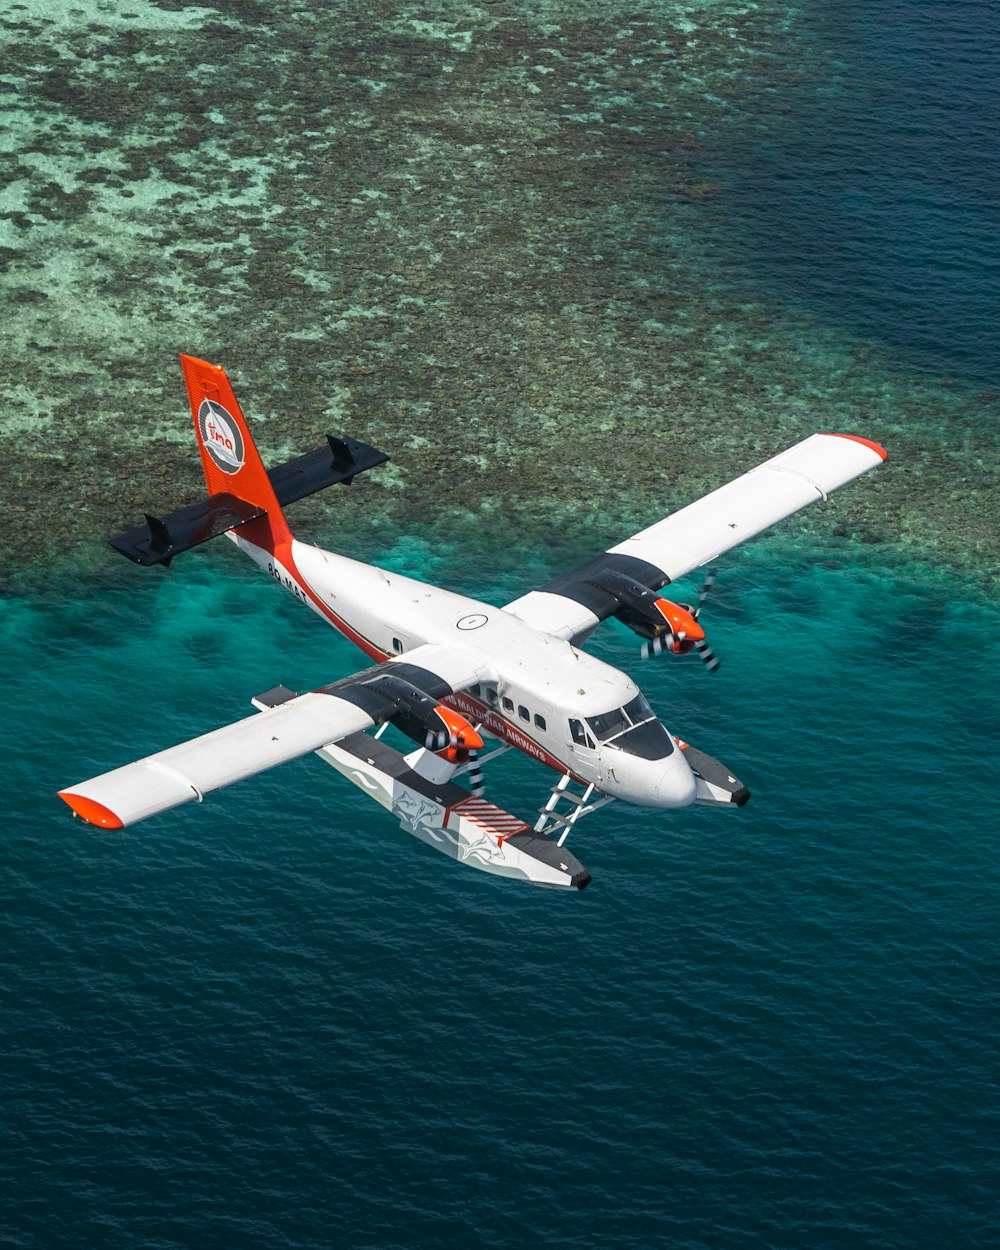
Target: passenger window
[474, 690]
[508, 704]
[523, 712]
[540, 721]
[397, 646]
[491, 696]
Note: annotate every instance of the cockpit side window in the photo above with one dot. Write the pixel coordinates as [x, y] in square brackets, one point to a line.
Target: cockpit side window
[580, 735]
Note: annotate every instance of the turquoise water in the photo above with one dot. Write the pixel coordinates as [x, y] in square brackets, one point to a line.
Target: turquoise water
[276, 1020]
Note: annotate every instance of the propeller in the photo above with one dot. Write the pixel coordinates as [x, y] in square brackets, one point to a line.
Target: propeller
[676, 632]
[445, 740]
[456, 739]
[439, 740]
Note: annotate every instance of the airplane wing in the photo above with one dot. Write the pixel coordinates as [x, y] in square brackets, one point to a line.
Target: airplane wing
[405, 690]
[625, 575]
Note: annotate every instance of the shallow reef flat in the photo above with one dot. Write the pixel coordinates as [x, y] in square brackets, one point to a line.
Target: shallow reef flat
[493, 245]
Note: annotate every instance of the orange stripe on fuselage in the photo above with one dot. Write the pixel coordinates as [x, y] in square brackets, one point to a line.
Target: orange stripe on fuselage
[283, 555]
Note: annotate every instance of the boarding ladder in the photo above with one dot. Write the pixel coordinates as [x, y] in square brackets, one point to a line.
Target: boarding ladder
[551, 818]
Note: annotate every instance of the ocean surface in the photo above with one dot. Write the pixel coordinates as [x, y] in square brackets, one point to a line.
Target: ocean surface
[276, 1020]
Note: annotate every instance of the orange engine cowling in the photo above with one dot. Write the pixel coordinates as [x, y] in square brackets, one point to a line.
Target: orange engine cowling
[461, 738]
[683, 628]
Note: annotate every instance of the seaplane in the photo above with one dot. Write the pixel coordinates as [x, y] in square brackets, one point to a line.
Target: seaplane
[449, 671]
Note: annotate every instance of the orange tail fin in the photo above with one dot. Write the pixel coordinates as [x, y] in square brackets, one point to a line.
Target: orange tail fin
[229, 457]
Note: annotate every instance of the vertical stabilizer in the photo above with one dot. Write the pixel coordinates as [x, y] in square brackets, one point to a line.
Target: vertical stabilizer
[229, 458]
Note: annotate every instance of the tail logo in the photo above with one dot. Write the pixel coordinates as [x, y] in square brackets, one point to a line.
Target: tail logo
[220, 436]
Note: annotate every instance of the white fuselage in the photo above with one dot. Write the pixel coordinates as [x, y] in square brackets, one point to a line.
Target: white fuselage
[532, 689]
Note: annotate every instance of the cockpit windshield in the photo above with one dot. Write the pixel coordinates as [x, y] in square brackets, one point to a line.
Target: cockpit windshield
[633, 729]
[611, 724]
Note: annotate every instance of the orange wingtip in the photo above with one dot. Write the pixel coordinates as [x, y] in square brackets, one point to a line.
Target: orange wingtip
[866, 442]
[91, 811]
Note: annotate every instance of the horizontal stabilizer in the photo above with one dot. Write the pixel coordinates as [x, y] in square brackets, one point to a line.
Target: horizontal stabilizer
[163, 537]
[340, 461]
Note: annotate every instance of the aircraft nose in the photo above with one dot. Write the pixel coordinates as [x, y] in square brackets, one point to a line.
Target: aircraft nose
[676, 786]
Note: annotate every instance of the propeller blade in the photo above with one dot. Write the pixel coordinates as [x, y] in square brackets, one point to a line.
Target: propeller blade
[706, 588]
[475, 776]
[655, 646]
[707, 655]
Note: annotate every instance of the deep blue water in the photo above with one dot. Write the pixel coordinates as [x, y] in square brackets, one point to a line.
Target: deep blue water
[278, 1021]
[870, 188]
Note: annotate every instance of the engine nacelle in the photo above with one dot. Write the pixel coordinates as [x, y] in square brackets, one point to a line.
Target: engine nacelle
[665, 625]
[684, 631]
[458, 738]
[387, 696]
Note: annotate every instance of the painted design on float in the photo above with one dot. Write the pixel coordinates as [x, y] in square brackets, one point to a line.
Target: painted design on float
[485, 850]
[418, 815]
[364, 782]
